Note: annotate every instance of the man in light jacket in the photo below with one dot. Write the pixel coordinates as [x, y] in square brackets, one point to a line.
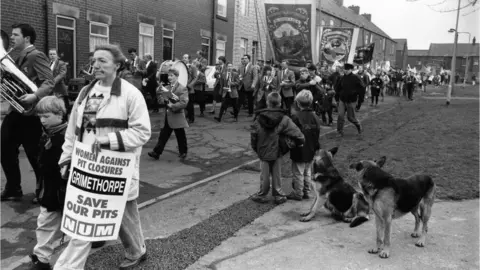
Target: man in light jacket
[249, 77]
[286, 81]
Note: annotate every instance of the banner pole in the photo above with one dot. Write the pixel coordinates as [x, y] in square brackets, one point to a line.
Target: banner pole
[258, 30]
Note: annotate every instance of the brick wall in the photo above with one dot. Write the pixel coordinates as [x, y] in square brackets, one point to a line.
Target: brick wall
[225, 26]
[31, 12]
[188, 17]
[245, 26]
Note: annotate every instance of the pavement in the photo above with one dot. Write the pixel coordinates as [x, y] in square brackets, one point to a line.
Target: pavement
[278, 240]
[215, 151]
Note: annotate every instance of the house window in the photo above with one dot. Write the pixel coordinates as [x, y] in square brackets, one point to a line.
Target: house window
[393, 48]
[206, 48]
[332, 23]
[384, 43]
[254, 51]
[98, 34]
[371, 38]
[244, 45]
[220, 48]
[145, 39]
[222, 8]
[323, 22]
[168, 44]
[244, 7]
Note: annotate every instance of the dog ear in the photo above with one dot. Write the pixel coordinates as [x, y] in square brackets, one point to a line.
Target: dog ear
[381, 161]
[333, 151]
[357, 166]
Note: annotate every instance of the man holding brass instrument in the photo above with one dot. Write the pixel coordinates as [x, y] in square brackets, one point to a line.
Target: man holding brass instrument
[24, 128]
[230, 86]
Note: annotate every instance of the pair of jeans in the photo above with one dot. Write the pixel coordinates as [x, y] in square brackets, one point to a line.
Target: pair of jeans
[302, 177]
[349, 108]
[76, 253]
[18, 129]
[190, 107]
[271, 168]
[165, 134]
[227, 102]
[399, 88]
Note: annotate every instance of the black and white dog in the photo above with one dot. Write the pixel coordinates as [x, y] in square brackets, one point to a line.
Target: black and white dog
[336, 195]
[392, 197]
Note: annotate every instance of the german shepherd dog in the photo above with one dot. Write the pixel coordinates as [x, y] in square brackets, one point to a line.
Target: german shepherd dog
[336, 195]
[392, 198]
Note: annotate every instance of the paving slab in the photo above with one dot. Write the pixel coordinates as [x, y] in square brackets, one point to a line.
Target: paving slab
[277, 240]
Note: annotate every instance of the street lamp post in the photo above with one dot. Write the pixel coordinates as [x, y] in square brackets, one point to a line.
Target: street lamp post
[454, 56]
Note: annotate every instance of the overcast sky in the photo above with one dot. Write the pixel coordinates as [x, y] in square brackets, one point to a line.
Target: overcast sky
[418, 23]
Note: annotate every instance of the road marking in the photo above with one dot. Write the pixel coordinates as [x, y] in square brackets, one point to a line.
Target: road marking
[152, 201]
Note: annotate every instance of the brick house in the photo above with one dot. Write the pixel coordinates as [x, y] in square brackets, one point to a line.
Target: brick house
[166, 29]
[418, 59]
[439, 55]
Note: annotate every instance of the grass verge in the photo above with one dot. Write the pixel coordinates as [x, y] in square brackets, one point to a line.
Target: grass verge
[182, 249]
[423, 136]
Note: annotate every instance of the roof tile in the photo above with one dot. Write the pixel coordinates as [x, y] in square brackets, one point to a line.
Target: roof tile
[344, 13]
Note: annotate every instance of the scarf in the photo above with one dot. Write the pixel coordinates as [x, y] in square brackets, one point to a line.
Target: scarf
[50, 132]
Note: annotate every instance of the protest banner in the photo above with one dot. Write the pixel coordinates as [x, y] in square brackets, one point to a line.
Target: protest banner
[337, 44]
[97, 192]
[292, 30]
[364, 54]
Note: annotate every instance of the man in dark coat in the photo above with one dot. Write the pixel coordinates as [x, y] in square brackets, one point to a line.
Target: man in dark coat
[349, 88]
[59, 71]
[149, 81]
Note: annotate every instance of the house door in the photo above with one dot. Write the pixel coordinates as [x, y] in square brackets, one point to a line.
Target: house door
[66, 44]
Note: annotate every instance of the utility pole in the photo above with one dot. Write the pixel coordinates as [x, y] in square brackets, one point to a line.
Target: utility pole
[454, 56]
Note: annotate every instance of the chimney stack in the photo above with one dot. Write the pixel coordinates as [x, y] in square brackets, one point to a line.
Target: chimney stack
[355, 9]
[339, 2]
[367, 16]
